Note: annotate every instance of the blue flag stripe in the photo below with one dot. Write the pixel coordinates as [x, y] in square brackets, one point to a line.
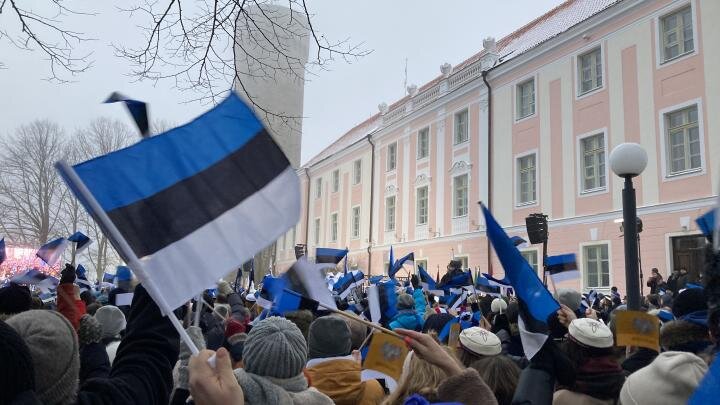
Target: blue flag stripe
[158, 162]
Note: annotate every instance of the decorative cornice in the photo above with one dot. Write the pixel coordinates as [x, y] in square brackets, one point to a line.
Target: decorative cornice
[460, 167]
[422, 180]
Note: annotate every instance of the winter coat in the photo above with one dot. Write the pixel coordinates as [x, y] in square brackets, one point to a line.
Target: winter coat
[71, 308]
[407, 319]
[268, 390]
[213, 329]
[339, 378]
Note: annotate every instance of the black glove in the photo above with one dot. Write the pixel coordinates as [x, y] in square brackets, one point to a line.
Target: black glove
[415, 282]
[68, 274]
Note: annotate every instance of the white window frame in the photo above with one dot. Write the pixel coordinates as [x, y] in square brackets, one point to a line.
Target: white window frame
[667, 176]
[427, 205]
[583, 268]
[394, 216]
[464, 259]
[538, 261]
[388, 160]
[318, 188]
[420, 261]
[516, 179]
[316, 229]
[581, 168]
[579, 94]
[357, 171]
[659, 51]
[465, 110]
[355, 231]
[516, 105]
[467, 196]
[334, 227]
[427, 145]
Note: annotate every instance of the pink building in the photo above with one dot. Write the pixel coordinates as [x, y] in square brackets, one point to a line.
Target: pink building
[527, 125]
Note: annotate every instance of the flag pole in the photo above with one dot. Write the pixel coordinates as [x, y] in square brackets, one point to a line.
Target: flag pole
[358, 319]
[198, 309]
[108, 227]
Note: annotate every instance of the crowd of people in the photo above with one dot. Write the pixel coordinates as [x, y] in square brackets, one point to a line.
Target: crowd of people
[85, 348]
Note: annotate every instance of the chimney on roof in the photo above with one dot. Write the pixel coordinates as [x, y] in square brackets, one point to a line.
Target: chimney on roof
[490, 55]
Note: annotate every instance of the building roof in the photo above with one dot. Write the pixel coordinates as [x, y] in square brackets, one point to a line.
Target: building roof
[547, 26]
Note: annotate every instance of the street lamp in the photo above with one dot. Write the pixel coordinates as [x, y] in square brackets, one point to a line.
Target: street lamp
[628, 160]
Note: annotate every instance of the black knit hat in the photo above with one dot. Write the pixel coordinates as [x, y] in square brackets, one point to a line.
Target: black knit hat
[14, 299]
[17, 374]
[690, 300]
[436, 322]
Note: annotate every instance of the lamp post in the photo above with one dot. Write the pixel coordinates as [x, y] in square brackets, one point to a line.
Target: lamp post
[628, 160]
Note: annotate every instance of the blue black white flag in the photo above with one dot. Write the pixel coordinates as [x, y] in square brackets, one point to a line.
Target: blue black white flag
[81, 277]
[382, 300]
[289, 300]
[562, 267]
[407, 259]
[345, 285]
[535, 301]
[329, 255]
[271, 288]
[108, 277]
[483, 285]
[307, 279]
[137, 109]
[504, 282]
[81, 241]
[3, 255]
[194, 203]
[52, 251]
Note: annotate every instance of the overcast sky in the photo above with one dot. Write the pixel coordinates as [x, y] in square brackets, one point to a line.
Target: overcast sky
[427, 33]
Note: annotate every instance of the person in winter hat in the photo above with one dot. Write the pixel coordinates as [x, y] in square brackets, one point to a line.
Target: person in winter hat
[598, 376]
[670, 379]
[476, 343]
[123, 278]
[54, 349]
[358, 331]
[14, 299]
[275, 354]
[410, 309]
[112, 322]
[17, 373]
[331, 367]
[94, 360]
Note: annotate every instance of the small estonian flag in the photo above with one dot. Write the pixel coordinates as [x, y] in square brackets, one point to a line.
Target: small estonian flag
[289, 300]
[329, 255]
[562, 267]
[137, 109]
[407, 259]
[52, 251]
[81, 241]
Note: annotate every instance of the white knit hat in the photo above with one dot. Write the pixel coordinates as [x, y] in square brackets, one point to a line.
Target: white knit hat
[498, 306]
[480, 341]
[670, 379]
[590, 332]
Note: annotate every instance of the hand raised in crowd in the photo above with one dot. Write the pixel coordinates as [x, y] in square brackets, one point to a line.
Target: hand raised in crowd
[430, 350]
[592, 314]
[67, 275]
[565, 315]
[217, 385]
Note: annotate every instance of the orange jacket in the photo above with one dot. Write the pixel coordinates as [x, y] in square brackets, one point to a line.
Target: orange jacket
[339, 379]
[71, 308]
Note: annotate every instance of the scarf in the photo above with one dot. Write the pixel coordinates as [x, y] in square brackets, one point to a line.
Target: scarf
[599, 377]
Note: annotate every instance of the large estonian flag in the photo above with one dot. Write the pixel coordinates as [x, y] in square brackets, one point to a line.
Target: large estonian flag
[194, 203]
[52, 251]
[535, 301]
[562, 267]
[330, 256]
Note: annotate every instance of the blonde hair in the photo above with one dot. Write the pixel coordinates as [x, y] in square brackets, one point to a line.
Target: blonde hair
[419, 377]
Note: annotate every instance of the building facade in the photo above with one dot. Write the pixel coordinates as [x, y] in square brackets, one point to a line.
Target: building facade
[526, 126]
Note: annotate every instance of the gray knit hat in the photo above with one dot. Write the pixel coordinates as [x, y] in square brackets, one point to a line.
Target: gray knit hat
[111, 319]
[405, 301]
[89, 330]
[328, 337]
[275, 347]
[54, 350]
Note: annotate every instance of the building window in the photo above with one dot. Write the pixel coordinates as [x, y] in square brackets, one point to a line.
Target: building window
[336, 180]
[597, 266]
[683, 140]
[460, 193]
[333, 227]
[423, 143]
[590, 71]
[318, 187]
[676, 32]
[526, 179]
[390, 213]
[421, 264]
[422, 206]
[461, 127]
[317, 231]
[525, 94]
[357, 171]
[531, 256]
[463, 262]
[593, 162]
[391, 156]
[355, 222]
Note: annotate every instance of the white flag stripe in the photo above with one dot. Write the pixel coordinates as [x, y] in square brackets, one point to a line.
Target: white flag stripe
[566, 276]
[181, 269]
[531, 341]
[373, 297]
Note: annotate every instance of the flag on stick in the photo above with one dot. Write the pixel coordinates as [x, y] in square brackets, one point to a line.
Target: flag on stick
[137, 109]
[81, 241]
[562, 267]
[3, 255]
[52, 251]
[329, 255]
[407, 259]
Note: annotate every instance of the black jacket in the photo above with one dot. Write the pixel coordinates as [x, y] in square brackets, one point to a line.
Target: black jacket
[94, 362]
[142, 370]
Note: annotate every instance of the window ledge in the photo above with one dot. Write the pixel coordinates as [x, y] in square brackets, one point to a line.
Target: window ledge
[593, 191]
[526, 204]
[681, 56]
[526, 117]
[423, 159]
[685, 173]
[589, 92]
[459, 144]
